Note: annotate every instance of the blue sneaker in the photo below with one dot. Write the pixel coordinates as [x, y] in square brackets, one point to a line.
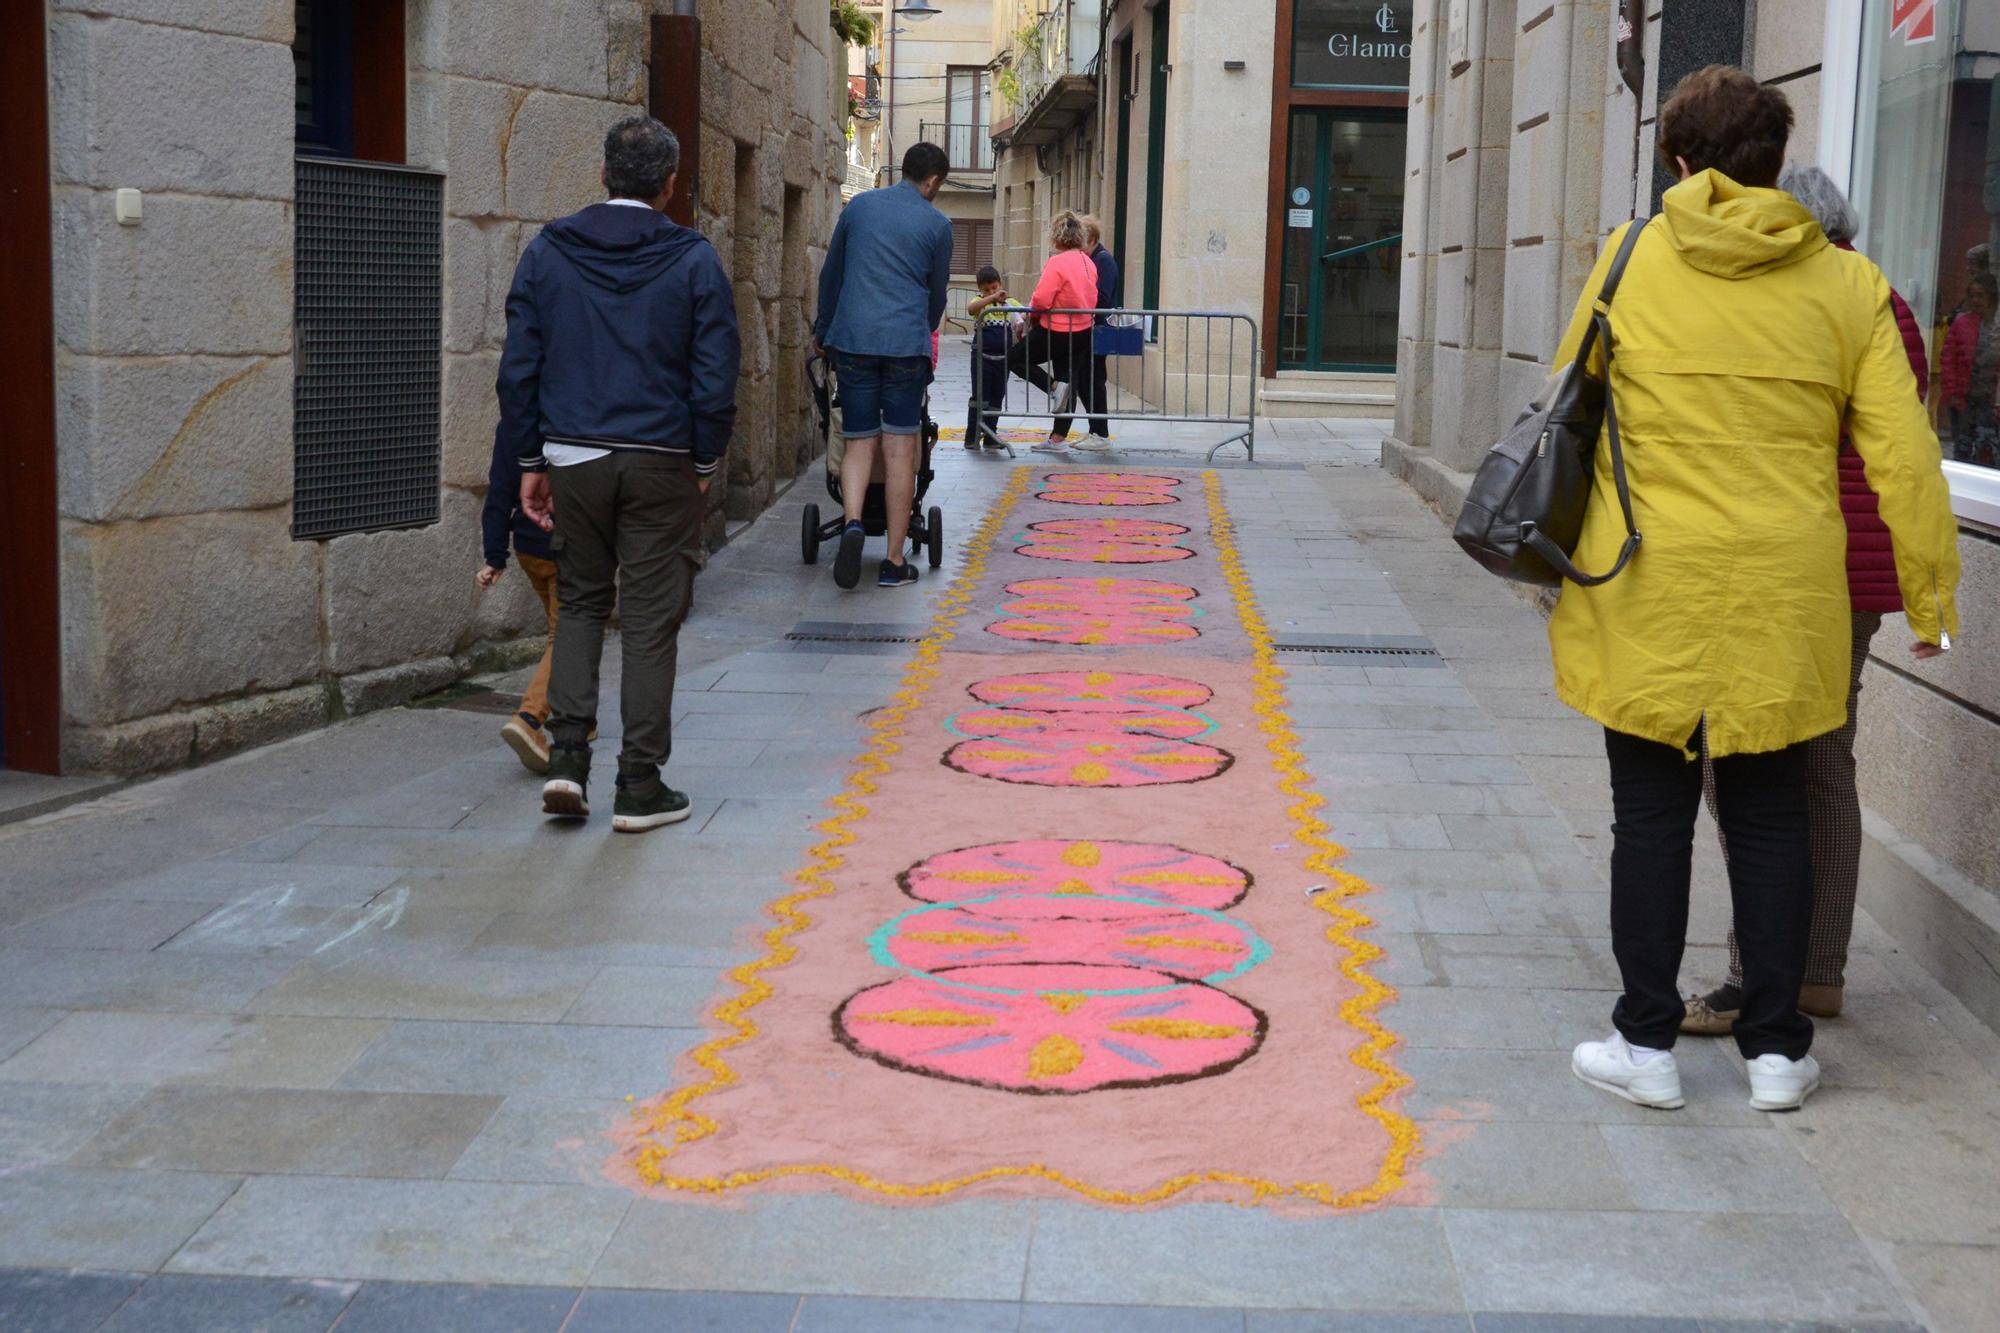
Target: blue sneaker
[847, 563]
[897, 576]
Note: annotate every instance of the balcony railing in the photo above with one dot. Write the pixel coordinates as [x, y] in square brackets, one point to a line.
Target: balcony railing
[1061, 43]
[859, 179]
[969, 147]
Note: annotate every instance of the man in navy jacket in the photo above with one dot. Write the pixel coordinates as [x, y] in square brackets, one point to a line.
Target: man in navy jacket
[618, 395]
[882, 291]
[1110, 296]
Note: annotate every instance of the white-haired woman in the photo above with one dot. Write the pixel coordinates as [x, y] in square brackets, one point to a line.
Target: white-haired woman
[1832, 801]
[1061, 341]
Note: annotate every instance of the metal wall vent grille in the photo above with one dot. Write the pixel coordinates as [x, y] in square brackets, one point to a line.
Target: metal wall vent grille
[367, 329]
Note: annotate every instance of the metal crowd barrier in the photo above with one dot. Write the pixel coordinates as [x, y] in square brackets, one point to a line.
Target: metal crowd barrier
[956, 301]
[1173, 367]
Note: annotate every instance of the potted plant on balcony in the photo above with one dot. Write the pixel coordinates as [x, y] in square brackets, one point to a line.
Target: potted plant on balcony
[849, 24]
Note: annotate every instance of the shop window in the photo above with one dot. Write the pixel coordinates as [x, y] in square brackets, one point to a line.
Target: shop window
[1926, 181]
[1352, 44]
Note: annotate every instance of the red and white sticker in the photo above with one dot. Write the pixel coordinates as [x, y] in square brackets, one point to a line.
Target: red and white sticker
[1915, 19]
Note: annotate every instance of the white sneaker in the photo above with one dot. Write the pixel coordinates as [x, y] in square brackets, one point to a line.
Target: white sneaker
[1093, 444]
[1048, 447]
[1609, 1065]
[1778, 1084]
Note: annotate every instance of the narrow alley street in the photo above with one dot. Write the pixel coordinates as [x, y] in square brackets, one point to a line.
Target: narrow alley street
[341, 1032]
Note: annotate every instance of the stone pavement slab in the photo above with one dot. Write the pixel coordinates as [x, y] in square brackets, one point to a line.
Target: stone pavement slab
[1325, 1321]
[505, 1059]
[232, 1051]
[83, 1217]
[1390, 1260]
[401, 1307]
[62, 1302]
[608, 1311]
[824, 1245]
[1743, 1265]
[862, 1314]
[170, 1304]
[287, 1131]
[467, 989]
[1128, 1319]
[546, 1140]
[345, 1011]
[424, 1230]
[43, 1123]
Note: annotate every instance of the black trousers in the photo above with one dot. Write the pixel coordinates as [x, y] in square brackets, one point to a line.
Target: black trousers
[1761, 803]
[628, 534]
[1069, 356]
[1100, 396]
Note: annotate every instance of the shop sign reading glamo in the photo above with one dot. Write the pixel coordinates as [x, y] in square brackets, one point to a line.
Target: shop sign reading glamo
[1351, 44]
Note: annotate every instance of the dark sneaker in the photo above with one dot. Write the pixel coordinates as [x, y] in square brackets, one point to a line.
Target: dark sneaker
[564, 795]
[523, 735]
[647, 805]
[847, 564]
[897, 576]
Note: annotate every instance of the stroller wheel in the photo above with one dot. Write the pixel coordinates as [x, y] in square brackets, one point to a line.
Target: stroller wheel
[809, 534]
[934, 535]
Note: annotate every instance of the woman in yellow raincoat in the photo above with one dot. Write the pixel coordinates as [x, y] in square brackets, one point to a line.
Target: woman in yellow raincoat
[1745, 345]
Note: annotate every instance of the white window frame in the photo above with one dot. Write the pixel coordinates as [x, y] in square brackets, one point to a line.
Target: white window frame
[1975, 491]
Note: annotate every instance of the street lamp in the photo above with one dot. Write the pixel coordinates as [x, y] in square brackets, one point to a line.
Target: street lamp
[916, 11]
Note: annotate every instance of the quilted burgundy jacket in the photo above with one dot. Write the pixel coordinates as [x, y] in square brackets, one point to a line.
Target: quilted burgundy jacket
[1871, 559]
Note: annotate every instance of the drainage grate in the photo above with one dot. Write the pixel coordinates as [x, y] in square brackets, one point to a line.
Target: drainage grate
[473, 699]
[368, 300]
[833, 631]
[1374, 649]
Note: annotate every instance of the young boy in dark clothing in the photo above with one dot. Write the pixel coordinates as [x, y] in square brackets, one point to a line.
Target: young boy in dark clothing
[504, 523]
[992, 338]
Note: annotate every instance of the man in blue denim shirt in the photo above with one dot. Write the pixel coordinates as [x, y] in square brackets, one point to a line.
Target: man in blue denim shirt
[881, 295]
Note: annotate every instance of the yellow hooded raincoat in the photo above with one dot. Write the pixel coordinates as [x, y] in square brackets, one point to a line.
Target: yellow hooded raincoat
[1745, 344]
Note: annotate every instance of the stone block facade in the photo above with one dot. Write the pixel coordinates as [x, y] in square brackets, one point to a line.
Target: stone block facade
[193, 622]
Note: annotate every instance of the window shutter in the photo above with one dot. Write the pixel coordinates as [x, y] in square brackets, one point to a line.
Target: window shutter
[964, 246]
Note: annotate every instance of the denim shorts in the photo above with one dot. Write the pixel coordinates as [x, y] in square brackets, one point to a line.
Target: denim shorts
[881, 394]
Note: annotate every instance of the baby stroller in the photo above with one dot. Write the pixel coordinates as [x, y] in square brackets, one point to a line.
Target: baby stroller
[926, 529]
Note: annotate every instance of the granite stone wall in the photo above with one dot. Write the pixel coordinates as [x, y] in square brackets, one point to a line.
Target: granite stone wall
[193, 623]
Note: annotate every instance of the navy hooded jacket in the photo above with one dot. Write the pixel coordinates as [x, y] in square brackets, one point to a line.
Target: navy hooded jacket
[621, 334]
[1110, 283]
[502, 518]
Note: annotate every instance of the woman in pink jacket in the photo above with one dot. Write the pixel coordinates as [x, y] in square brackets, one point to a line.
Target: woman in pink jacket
[1061, 341]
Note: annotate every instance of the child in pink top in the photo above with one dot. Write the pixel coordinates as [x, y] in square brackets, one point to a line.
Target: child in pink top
[1062, 342]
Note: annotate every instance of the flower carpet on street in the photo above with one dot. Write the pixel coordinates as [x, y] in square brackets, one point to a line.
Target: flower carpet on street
[1075, 927]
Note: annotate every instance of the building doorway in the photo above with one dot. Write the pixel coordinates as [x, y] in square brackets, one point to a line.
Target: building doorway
[30, 601]
[1343, 225]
